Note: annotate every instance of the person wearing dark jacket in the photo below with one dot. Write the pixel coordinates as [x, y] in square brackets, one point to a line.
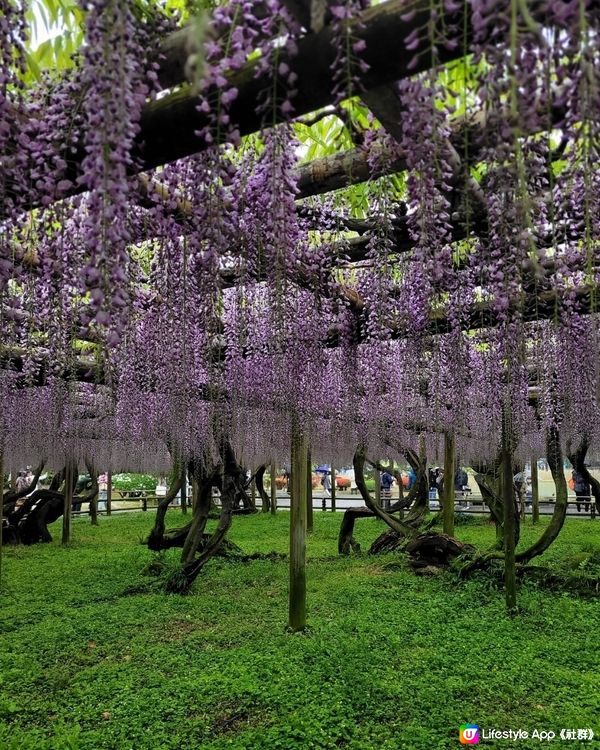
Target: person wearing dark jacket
[582, 491]
[461, 480]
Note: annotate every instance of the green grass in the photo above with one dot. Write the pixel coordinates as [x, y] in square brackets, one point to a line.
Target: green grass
[391, 660]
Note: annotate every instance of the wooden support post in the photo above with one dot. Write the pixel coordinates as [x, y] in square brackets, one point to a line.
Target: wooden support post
[535, 491]
[333, 488]
[449, 469]
[109, 493]
[309, 495]
[401, 494]
[184, 500]
[423, 458]
[273, 489]
[94, 509]
[377, 478]
[1, 509]
[297, 592]
[388, 493]
[508, 500]
[67, 508]
[264, 507]
[195, 493]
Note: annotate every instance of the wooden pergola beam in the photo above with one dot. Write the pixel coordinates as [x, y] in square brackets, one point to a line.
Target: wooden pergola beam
[176, 49]
[169, 125]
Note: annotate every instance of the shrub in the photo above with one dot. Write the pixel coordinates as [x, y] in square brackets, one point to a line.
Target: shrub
[129, 482]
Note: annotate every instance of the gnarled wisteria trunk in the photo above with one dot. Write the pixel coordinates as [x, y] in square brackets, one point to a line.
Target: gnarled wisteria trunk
[28, 523]
[197, 546]
[577, 457]
[426, 550]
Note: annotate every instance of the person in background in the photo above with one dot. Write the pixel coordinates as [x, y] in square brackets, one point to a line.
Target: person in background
[22, 481]
[433, 475]
[461, 479]
[327, 484]
[386, 482]
[461, 484]
[582, 491]
[431, 478]
[440, 482]
[519, 482]
[528, 493]
[29, 478]
[412, 478]
[102, 491]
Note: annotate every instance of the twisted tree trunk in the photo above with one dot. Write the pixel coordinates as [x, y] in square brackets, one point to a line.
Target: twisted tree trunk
[391, 538]
[91, 496]
[489, 481]
[401, 527]
[416, 500]
[156, 537]
[555, 461]
[418, 495]
[233, 490]
[197, 546]
[259, 480]
[346, 541]
[487, 477]
[201, 513]
[577, 459]
[12, 496]
[71, 476]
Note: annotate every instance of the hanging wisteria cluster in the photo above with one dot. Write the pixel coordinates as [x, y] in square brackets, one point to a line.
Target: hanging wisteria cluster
[145, 314]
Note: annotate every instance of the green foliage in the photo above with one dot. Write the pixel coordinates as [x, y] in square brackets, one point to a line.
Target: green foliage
[91, 659]
[59, 23]
[146, 482]
[460, 519]
[587, 560]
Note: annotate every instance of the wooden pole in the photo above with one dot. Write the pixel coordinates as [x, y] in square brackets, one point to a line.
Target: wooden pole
[535, 491]
[309, 495]
[508, 499]
[109, 493]
[195, 493]
[94, 509]
[377, 478]
[184, 489]
[333, 488]
[253, 495]
[449, 460]
[273, 489]
[1, 509]
[298, 506]
[401, 493]
[66, 529]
